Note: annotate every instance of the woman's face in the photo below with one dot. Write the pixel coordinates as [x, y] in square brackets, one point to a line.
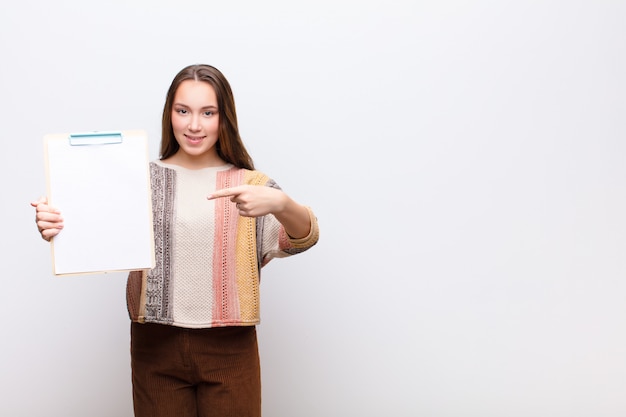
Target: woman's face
[195, 122]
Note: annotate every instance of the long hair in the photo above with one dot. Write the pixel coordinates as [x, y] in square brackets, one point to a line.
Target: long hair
[229, 145]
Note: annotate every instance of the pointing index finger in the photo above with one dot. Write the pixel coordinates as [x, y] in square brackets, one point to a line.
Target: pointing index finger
[224, 192]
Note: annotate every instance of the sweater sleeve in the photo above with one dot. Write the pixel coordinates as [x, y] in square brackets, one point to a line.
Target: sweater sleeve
[276, 243]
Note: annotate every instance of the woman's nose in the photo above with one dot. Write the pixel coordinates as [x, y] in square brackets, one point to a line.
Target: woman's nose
[194, 123]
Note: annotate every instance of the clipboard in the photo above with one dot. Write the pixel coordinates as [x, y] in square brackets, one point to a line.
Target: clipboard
[100, 182]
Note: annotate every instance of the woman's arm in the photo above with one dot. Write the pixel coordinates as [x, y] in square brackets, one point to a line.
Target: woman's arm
[294, 217]
[258, 200]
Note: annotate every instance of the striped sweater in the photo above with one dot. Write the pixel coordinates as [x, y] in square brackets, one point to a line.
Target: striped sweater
[208, 258]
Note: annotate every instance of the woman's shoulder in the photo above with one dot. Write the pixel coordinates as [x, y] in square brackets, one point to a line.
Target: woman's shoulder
[255, 177]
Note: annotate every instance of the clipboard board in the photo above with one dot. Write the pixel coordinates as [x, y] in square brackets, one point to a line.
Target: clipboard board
[100, 182]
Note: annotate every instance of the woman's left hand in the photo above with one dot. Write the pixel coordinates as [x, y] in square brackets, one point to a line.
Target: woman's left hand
[254, 200]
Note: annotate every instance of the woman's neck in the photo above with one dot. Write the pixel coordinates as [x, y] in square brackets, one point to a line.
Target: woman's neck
[185, 160]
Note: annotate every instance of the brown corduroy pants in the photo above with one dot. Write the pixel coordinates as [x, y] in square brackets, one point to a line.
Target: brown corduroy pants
[180, 372]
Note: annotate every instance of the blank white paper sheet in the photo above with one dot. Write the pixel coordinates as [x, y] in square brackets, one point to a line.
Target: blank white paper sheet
[100, 182]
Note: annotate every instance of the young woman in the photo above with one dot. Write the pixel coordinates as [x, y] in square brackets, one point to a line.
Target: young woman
[217, 221]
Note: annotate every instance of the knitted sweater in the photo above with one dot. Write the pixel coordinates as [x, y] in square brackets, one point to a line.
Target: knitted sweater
[208, 257]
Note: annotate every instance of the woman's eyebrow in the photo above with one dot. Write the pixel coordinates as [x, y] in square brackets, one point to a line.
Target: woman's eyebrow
[210, 106]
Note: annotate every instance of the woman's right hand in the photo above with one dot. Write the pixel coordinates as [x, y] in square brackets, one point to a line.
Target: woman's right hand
[48, 219]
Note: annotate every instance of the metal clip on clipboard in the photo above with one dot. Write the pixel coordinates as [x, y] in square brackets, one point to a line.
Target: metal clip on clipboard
[95, 138]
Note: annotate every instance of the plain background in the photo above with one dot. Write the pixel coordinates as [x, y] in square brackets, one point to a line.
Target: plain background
[465, 160]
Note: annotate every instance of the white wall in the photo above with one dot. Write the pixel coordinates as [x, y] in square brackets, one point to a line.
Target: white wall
[465, 160]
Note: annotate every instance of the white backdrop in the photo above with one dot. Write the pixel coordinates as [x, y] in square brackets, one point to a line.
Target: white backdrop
[465, 160]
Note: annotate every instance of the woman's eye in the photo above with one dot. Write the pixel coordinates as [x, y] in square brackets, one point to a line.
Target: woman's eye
[181, 111]
[208, 113]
